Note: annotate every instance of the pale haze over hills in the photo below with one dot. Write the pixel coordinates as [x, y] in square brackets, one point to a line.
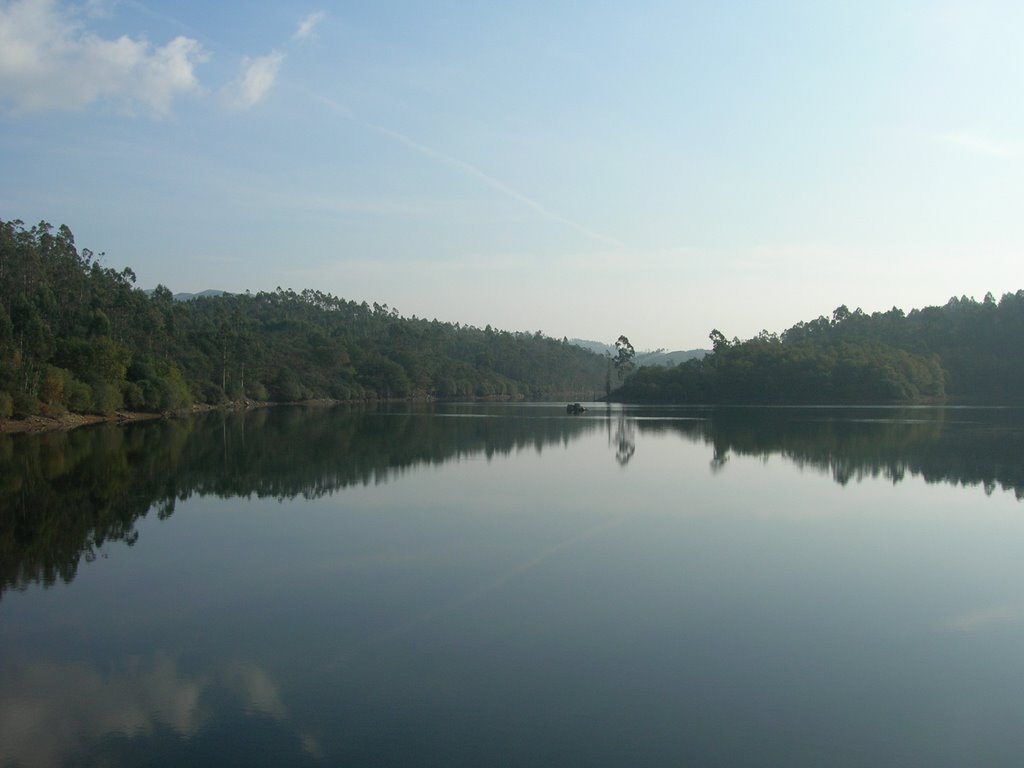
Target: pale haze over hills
[644, 357]
[589, 170]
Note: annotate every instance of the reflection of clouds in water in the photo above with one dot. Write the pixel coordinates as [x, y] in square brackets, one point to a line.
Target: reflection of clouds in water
[255, 689]
[51, 712]
[986, 618]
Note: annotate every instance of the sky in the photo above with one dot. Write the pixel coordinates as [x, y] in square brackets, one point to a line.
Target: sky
[586, 169]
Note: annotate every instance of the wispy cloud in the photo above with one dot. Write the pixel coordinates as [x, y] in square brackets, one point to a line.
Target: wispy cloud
[379, 206]
[496, 184]
[49, 61]
[470, 170]
[986, 618]
[163, 18]
[99, 8]
[984, 145]
[307, 25]
[258, 77]
[259, 74]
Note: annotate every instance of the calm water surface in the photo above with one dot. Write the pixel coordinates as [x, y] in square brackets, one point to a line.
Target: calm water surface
[511, 585]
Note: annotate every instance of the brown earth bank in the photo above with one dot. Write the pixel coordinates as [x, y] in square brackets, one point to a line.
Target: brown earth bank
[68, 421]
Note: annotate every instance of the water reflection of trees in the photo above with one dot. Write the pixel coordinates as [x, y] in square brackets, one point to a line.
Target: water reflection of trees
[963, 447]
[622, 436]
[63, 495]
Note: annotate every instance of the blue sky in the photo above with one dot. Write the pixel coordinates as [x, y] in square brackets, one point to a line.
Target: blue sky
[585, 169]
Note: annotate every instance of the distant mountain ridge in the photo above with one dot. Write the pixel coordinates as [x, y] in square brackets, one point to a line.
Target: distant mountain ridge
[210, 293]
[657, 357]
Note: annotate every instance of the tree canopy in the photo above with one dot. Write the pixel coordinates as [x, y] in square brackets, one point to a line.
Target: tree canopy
[966, 351]
[75, 335]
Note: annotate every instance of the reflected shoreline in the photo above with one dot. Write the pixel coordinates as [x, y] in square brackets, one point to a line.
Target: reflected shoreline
[63, 495]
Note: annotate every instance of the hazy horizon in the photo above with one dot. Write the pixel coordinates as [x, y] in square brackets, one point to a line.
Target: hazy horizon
[588, 170]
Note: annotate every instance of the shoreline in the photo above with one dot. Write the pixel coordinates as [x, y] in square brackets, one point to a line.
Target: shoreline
[68, 421]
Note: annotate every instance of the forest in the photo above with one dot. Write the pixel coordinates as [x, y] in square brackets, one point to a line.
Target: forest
[965, 352]
[78, 336]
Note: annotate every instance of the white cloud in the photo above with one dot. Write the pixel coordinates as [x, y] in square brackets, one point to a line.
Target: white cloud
[983, 145]
[257, 78]
[307, 25]
[48, 61]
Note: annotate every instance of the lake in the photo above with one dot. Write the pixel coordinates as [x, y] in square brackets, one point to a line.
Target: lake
[508, 584]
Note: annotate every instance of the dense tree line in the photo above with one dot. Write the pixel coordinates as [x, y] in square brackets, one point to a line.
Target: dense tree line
[965, 351]
[75, 335]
